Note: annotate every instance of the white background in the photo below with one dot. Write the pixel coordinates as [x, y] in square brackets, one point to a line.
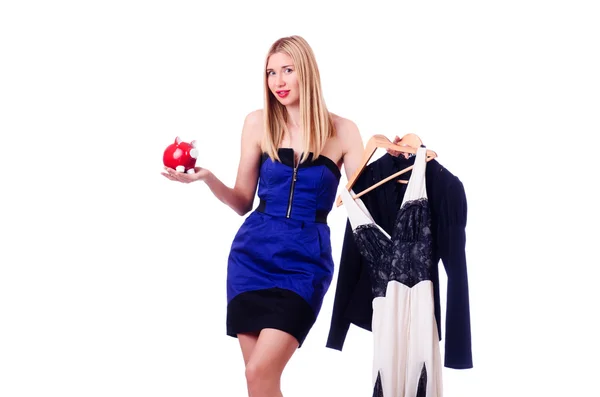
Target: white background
[112, 278]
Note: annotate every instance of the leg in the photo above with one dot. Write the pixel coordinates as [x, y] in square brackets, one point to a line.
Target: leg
[247, 343]
[271, 353]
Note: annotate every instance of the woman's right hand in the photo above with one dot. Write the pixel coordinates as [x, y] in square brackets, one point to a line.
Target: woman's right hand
[199, 174]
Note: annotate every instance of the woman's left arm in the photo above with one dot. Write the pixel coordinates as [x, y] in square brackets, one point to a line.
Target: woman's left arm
[352, 146]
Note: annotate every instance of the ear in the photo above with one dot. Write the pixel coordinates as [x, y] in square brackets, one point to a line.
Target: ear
[178, 140]
[193, 143]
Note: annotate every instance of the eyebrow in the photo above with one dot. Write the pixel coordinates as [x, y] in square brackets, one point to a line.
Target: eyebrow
[283, 67]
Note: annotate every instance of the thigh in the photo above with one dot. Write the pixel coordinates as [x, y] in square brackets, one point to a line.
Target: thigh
[272, 350]
[247, 343]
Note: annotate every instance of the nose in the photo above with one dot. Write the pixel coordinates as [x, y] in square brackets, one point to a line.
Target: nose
[279, 81]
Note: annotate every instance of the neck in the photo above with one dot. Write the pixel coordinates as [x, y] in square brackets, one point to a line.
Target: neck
[293, 112]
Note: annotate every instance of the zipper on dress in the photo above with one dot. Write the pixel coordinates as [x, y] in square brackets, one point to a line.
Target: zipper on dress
[294, 177]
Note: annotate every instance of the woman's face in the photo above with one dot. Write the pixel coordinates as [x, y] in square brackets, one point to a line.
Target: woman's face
[282, 79]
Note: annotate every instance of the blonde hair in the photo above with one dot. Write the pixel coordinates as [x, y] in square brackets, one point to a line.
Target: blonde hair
[317, 122]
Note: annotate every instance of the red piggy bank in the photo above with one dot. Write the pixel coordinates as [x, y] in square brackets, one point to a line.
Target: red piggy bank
[181, 156]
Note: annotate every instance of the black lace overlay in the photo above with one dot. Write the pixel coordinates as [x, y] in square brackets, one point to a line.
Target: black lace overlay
[375, 247]
[413, 221]
[411, 256]
[407, 257]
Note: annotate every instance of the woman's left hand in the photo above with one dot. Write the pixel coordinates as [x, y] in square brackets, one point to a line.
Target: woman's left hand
[395, 153]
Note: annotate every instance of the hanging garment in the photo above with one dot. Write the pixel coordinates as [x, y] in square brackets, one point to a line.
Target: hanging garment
[406, 360]
[448, 208]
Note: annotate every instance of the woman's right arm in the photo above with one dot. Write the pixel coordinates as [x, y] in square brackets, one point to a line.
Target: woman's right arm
[241, 197]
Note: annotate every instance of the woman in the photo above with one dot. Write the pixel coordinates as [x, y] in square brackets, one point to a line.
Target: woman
[280, 265]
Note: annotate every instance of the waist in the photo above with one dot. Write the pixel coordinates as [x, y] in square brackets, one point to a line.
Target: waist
[293, 212]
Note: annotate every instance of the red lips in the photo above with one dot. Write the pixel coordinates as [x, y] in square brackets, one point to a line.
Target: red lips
[282, 93]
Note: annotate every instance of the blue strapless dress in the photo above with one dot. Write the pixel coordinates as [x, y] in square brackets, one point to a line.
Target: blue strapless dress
[280, 265]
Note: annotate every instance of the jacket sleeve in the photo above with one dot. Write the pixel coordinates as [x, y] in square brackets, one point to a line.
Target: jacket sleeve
[452, 243]
[353, 302]
[353, 296]
[348, 277]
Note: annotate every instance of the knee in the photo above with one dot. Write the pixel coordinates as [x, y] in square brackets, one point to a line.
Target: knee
[259, 379]
[254, 374]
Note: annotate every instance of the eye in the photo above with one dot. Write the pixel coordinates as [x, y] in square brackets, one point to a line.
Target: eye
[289, 70]
[270, 73]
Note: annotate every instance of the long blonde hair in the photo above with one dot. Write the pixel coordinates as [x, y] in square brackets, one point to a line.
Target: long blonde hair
[317, 122]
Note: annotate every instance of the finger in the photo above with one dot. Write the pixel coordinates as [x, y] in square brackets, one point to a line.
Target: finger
[168, 176]
[167, 170]
[172, 175]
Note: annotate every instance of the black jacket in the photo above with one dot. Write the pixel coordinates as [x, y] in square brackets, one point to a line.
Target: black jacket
[448, 206]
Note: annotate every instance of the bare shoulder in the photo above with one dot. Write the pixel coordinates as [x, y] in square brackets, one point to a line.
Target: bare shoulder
[350, 142]
[346, 132]
[253, 126]
[254, 117]
[344, 125]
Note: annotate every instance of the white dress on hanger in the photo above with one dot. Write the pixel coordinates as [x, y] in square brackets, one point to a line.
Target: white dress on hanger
[406, 361]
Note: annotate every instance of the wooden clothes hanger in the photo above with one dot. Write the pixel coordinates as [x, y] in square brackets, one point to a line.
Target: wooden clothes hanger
[409, 143]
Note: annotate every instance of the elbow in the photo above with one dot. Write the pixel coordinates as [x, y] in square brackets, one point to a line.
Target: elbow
[243, 210]
[242, 204]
